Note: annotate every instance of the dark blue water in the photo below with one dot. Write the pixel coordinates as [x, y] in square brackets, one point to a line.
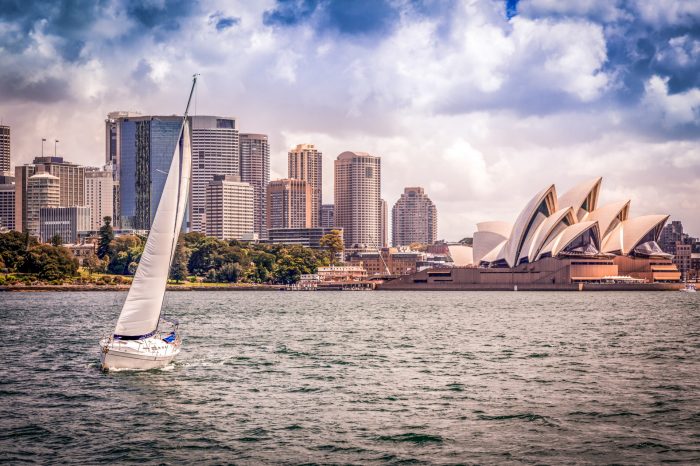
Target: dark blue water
[359, 377]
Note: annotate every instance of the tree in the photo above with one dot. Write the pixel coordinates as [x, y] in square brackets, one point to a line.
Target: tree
[124, 251]
[13, 247]
[56, 240]
[106, 237]
[50, 262]
[178, 269]
[333, 243]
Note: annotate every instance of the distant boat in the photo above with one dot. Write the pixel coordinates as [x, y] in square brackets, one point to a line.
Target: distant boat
[143, 339]
[689, 288]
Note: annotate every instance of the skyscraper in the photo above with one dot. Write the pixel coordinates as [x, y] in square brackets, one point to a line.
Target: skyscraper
[358, 199]
[4, 149]
[414, 218]
[113, 153]
[71, 186]
[229, 208]
[384, 216]
[327, 219]
[255, 169]
[146, 146]
[99, 186]
[7, 202]
[305, 162]
[214, 152]
[289, 204]
[43, 190]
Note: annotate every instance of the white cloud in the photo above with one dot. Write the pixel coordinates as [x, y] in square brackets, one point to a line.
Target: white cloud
[671, 109]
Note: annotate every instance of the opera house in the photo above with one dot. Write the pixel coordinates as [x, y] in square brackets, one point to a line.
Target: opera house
[561, 242]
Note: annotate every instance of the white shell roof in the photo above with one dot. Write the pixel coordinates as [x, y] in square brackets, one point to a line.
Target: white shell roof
[496, 226]
[563, 239]
[484, 242]
[544, 231]
[575, 196]
[606, 214]
[496, 253]
[461, 255]
[519, 234]
[626, 235]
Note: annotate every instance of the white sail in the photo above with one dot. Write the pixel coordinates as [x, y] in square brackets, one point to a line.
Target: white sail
[141, 312]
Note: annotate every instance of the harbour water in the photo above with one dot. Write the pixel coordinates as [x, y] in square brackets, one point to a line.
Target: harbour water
[359, 377]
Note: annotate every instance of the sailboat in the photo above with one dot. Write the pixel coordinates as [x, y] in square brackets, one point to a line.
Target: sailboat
[143, 339]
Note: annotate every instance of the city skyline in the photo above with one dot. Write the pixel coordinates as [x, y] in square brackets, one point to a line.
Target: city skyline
[464, 100]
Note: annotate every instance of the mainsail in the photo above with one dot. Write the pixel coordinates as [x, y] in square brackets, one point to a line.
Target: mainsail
[141, 312]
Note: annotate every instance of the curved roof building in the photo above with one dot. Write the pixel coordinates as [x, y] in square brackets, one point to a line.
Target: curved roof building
[570, 225]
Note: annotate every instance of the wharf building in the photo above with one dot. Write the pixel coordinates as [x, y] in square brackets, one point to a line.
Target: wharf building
[7, 202]
[289, 204]
[71, 188]
[229, 208]
[358, 200]
[67, 222]
[562, 242]
[43, 190]
[414, 218]
[327, 219]
[99, 195]
[305, 162]
[309, 237]
[255, 169]
[387, 261]
[4, 149]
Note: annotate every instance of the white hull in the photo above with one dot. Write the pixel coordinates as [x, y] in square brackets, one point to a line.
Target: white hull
[149, 353]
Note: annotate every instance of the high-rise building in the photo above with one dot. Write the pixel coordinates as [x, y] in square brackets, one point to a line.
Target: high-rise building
[71, 187]
[146, 148]
[358, 199]
[414, 218]
[289, 204]
[229, 208]
[305, 162]
[4, 149]
[99, 197]
[671, 234]
[682, 258]
[66, 222]
[327, 217]
[7, 202]
[113, 153]
[255, 169]
[71, 176]
[384, 217]
[214, 152]
[43, 190]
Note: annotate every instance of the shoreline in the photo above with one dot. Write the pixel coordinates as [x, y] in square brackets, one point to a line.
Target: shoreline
[474, 287]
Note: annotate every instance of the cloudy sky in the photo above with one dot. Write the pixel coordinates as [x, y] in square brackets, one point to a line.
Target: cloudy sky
[483, 103]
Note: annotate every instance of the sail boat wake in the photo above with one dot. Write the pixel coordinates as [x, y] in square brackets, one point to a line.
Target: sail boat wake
[143, 339]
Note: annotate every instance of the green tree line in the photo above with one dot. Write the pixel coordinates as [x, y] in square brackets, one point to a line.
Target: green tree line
[215, 260]
[22, 253]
